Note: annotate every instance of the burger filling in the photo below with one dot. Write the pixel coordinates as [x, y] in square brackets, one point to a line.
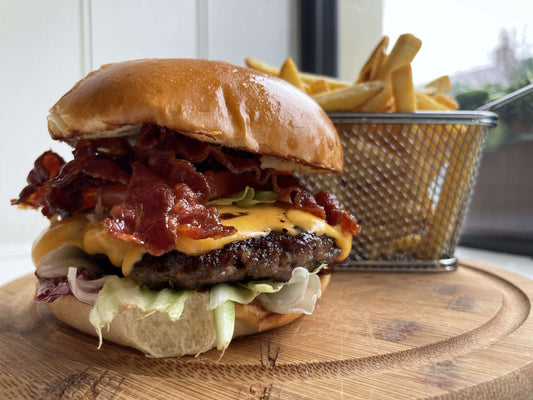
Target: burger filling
[175, 213]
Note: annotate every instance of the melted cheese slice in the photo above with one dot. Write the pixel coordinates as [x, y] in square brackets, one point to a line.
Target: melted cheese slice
[92, 236]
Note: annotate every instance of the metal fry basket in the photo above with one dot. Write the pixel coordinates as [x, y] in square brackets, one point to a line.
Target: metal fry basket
[408, 178]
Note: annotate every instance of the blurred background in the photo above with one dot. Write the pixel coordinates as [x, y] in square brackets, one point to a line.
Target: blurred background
[485, 47]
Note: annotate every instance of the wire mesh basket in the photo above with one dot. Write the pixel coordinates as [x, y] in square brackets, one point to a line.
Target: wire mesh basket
[408, 178]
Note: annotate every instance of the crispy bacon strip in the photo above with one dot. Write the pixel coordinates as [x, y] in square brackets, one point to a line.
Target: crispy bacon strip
[45, 168]
[336, 213]
[153, 138]
[64, 189]
[290, 191]
[154, 213]
[92, 166]
[193, 219]
[143, 217]
[176, 171]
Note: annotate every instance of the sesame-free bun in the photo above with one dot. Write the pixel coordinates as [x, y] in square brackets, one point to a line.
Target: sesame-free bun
[209, 101]
[158, 336]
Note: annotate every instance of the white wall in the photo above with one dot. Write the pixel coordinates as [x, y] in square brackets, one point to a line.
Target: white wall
[40, 59]
[163, 28]
[264, 29]
[360, 29]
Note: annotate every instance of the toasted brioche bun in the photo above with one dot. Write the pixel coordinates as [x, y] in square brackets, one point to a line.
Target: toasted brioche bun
[157, 336]
[209, 101]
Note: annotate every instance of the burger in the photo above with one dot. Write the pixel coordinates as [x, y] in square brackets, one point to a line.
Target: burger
[180, 223]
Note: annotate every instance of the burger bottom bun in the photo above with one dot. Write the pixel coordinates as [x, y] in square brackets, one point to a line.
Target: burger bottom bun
[157, 335]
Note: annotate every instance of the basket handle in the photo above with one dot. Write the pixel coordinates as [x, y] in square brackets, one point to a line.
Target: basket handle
[507, 98]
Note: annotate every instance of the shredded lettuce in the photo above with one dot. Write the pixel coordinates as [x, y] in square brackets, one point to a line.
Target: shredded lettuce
[224, 321]
[222, 292]
[264, 286]
[222, 298]
[119, 293]
[248, 197]
[299, 294]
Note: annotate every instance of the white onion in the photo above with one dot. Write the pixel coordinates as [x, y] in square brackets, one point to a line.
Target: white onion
[299, 294]
[83, 289]
[56, 263]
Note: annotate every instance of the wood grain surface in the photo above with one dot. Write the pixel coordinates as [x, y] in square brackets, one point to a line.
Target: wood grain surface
[466, 334]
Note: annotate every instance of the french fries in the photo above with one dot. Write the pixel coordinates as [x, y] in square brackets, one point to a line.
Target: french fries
[319, 86]
[401, 183]
[427, 102]
[349, 97]
[455, 188]
[441, 85]
[404, 246]
[306, 77]
[373, 158]
[392, 70]
[447, 101]
[258, 65]
[403, 53]
[289, 73]
[402, 89]
[375, 61]
[378, 102]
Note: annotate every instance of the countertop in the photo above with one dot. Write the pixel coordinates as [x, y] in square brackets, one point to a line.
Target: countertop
[522, 265]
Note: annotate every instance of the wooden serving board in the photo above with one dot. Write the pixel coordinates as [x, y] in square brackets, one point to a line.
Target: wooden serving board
[466, 334]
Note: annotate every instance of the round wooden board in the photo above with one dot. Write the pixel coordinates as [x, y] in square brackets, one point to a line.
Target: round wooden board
[466, 334]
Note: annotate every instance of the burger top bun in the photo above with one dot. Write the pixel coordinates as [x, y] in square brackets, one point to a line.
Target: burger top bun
[156, 335]
[210, 101]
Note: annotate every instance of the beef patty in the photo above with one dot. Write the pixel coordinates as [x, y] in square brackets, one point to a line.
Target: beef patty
[271, 257]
